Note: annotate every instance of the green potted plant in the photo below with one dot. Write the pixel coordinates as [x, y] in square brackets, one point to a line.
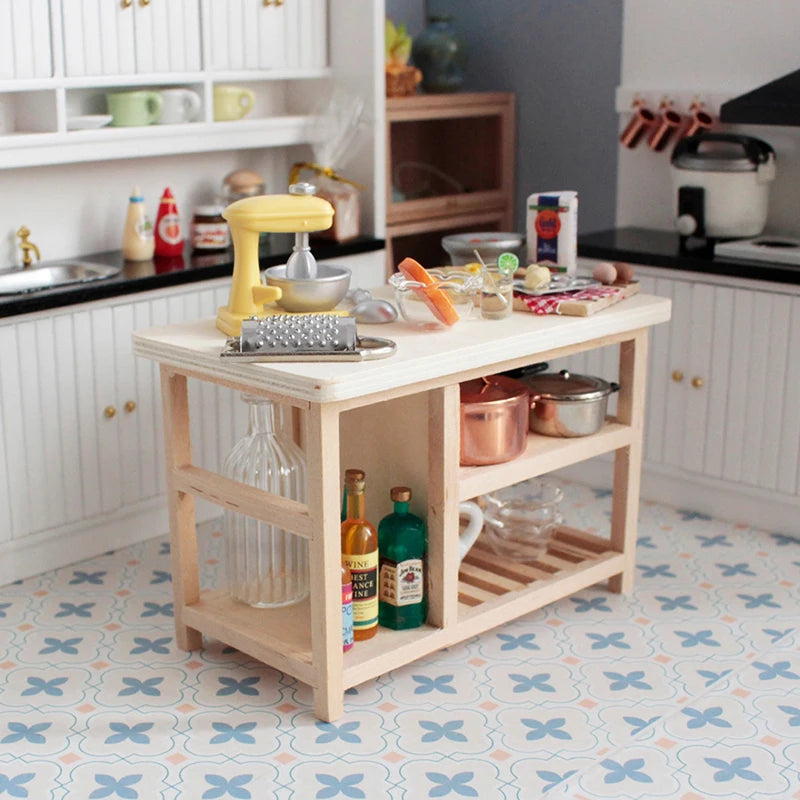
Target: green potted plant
[401, 79]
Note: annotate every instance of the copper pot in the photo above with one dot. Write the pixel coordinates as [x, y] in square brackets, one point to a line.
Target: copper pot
[494, 420]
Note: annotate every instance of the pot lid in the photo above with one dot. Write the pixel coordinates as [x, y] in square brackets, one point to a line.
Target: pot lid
[492, 389]
[721, 152]
[565, 385]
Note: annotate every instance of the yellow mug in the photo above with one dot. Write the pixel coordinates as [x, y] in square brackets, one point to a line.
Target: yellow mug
[232, 102]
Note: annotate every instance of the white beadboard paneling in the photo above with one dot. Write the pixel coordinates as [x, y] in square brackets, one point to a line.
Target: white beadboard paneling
[789, 448]
[191, 35]
[73, 27]
[23, 39]
[775, 397]
[157, 42]
[32, 429]
[717, 384]
[126, 39]
[740, 377]
[106, 30]
[218, 25]
[698, 366]
[679, 347]
[250, 50]
[147, 410]
[755, 389]
[159, 315]
[657, 372]
[107, 429]
[235, 33]
[272, 36]
[88, 411]
[49, 487]
[14, 462]
[298, 42]
[40, 25]
[6, 41]
[126, 390]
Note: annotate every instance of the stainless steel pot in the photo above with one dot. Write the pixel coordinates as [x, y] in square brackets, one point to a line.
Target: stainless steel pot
[494, 420]
[564, 404]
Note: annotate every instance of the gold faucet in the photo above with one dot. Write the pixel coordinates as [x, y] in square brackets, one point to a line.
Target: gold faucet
[26, 247]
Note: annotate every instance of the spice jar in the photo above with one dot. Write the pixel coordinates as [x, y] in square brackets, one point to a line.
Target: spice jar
[209, 230]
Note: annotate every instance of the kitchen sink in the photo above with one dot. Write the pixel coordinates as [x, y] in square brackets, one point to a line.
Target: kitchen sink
[51, 276]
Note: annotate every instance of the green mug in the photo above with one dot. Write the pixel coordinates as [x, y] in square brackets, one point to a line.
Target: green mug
[127, 109]
[232, 102]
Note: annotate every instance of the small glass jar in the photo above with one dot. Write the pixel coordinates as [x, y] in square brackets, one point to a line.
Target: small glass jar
[497, 294]
[209, 230]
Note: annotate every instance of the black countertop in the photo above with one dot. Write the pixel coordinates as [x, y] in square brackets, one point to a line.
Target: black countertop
[142, 276]
[663, 249]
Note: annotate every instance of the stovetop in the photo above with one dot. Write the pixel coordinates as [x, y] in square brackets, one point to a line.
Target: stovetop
[658, 248]
[773, 249]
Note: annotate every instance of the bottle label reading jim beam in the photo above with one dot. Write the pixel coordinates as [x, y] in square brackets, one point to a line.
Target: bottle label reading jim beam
[364, 570]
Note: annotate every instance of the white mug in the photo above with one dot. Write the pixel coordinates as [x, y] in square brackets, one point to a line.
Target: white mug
[180, 105]
[468, 536]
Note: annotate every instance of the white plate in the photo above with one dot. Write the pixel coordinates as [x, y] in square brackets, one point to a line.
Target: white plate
[88, 122]
[558, 283]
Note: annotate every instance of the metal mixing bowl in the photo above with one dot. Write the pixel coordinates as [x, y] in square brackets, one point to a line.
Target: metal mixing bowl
[461, 247]
[312, 294]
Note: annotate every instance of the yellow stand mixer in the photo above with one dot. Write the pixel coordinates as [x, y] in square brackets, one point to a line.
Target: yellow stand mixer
[249, 217]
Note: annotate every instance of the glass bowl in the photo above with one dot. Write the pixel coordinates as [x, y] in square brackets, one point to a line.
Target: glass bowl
[462, 287]
[518, 520]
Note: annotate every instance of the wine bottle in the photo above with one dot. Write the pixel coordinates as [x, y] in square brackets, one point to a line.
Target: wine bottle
[360, 556]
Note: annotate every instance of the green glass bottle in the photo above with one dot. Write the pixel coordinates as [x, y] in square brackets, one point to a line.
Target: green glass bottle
[402, 547]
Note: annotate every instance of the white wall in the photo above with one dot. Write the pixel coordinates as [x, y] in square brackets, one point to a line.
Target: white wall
[75, 209]
[716, 49]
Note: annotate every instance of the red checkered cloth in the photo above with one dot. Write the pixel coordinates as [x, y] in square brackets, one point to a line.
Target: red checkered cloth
[549, 303]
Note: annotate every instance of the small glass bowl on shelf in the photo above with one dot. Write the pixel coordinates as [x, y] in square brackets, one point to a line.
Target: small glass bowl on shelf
[427, 306]
[519, 520]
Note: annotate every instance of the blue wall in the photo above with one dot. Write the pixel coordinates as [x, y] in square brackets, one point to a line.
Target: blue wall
[562, 60]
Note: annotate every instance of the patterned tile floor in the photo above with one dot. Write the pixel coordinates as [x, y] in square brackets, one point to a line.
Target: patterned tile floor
[687, 689]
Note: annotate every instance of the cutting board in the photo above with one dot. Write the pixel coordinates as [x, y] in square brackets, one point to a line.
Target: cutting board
[579, 304]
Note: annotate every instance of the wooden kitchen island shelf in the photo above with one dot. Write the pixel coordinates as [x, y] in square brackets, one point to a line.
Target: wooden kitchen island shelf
[398, 419]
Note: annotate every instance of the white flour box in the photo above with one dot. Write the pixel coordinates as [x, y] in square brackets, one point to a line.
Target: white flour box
[552, 230]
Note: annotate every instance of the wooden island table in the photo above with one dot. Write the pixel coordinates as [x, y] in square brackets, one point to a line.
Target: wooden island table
[398, 419]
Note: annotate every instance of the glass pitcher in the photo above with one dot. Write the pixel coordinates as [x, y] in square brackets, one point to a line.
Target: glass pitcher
[266, 566]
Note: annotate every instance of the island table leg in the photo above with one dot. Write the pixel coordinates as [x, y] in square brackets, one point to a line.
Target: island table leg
[182, 525]
[628, 460]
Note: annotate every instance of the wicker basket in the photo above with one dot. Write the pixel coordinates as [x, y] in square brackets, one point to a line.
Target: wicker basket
[402, 81]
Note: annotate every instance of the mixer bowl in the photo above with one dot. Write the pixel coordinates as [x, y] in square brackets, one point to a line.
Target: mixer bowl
[310, 294]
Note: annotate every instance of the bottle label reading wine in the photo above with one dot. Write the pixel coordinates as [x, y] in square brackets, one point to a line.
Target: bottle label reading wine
[402, 582]
[364, 571]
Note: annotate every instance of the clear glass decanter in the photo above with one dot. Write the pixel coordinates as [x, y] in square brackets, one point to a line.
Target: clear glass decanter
[266, 566]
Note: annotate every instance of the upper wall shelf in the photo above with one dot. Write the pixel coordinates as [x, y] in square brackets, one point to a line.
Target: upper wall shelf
[59, 69]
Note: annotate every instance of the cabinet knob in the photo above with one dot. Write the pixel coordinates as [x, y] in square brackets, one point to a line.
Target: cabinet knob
[144, 3]
[126, 3]
[130, 406]
[697, 382]
[266, 3]
[109, 411]
[677, 375]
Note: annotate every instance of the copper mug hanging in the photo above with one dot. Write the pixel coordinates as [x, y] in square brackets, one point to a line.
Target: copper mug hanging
[668, 122]
[700, 120]
[643, 119]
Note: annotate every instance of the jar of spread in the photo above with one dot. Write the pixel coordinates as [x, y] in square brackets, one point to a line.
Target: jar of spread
[209, 230]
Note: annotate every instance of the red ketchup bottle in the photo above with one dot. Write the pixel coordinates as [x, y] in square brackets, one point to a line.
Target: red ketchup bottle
[168, 235]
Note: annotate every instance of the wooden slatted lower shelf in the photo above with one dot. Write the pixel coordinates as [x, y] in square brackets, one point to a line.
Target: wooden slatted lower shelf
[492, 590]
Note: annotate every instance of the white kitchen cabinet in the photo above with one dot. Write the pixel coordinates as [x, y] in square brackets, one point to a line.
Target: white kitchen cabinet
[267, 34]
[722, 431]
[82, 467]
[25, 50]
[130, 37]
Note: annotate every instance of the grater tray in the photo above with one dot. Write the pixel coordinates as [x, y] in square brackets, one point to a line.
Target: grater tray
[305, 337]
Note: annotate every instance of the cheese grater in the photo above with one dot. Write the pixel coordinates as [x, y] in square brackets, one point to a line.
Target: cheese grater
[305, 337]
